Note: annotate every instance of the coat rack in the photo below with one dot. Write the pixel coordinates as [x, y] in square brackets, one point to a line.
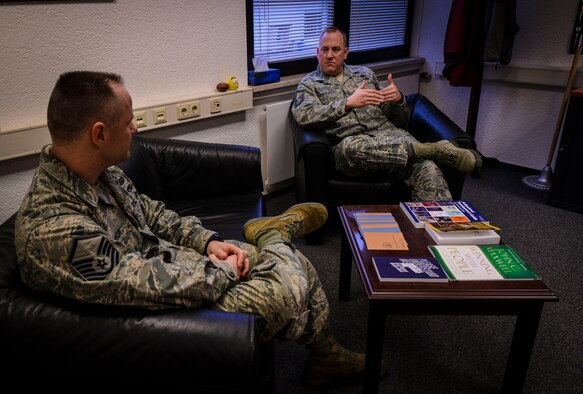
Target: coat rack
[543, 181]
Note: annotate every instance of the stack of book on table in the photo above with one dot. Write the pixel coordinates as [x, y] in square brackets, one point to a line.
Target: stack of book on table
[451, 222]
[380, 231]
[468, 248]
[455, 263]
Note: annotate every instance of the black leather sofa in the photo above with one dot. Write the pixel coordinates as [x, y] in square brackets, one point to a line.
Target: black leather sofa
[50, 342]
[317, 180]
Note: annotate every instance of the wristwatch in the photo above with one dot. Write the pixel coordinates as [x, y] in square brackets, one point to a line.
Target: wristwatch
[214, 237]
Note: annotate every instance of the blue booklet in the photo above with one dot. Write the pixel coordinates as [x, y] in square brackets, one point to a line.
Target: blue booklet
[409, 269]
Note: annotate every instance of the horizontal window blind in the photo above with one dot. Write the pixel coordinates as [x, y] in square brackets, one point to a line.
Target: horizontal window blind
[376, 24]
[285, 30]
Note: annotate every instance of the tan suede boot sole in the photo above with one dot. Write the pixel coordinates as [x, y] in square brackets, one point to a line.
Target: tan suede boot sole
[298, 220]
[448, 153]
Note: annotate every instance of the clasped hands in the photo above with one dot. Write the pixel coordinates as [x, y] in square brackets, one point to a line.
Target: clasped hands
[236, 257]
[363, 96]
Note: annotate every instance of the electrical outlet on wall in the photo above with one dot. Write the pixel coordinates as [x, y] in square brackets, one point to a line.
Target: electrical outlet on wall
[188, 110]
[182, 111]
[159, 115]
[140, 119]
[194, 107]
[216, 106]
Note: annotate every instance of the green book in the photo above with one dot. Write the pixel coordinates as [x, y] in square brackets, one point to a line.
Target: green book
[482, 262]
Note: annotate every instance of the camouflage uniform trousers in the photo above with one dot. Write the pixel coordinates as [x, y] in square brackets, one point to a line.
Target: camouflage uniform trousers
[282, 290]
[387, 150]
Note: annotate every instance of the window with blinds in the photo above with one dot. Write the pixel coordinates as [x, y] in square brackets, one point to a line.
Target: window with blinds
[377, 24]
[287, 32]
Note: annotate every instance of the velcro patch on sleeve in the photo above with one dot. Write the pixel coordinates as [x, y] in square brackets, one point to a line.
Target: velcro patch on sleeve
[93, 257]
[299, 99]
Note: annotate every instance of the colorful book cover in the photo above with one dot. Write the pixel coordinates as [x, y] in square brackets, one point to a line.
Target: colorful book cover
[456, 211]
[482, 262]
[461, 227]
[409, 269]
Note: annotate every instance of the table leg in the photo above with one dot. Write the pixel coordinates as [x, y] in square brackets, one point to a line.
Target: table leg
[521, 348]
[345, 269]
[374, 347]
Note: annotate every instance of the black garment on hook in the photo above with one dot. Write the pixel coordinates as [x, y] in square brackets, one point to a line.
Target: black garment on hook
[478, 31]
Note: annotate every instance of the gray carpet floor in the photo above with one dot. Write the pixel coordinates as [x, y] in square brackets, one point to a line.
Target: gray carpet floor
[465, 354]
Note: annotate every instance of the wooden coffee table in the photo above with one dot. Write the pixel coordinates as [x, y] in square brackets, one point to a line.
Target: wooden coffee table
[525, 299]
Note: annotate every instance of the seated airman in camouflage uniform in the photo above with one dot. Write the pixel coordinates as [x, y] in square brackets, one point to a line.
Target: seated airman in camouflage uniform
[348, 102]
[85, 233]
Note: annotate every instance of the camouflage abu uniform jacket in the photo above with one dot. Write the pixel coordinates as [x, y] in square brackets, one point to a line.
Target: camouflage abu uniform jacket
[321, 99]
[107, 244]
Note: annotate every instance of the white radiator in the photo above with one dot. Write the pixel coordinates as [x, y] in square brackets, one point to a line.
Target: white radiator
[277, 145]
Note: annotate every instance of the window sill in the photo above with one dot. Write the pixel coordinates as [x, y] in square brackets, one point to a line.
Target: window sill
[286, 87]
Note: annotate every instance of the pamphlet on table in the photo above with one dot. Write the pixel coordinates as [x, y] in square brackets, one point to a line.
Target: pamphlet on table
[380, 231]
[409, 269]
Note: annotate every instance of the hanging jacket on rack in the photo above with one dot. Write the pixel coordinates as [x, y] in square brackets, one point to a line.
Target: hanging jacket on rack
[502, 29]
[477, 31]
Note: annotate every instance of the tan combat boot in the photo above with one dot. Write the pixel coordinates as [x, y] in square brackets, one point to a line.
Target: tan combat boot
[298, 220]
[445, 152]
[330, 365]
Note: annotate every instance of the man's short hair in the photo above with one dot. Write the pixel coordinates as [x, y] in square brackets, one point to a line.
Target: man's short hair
[79, 99]
[334, 29]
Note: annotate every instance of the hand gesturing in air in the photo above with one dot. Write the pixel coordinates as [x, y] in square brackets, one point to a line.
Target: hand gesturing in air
[363, 96]
[391, 93]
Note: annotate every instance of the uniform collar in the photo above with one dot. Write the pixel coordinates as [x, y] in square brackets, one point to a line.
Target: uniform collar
[348, 73]
[63, 175]
[121, 187]
[77, 185]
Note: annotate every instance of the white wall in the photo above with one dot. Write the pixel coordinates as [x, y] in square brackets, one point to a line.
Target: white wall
[165, 50]
[515, 122]
[174, 49]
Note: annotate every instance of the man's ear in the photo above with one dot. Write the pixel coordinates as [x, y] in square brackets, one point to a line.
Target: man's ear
[98, 134]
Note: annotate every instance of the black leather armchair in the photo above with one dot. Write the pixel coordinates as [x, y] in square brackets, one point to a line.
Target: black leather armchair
[317, 180]
[59, 343]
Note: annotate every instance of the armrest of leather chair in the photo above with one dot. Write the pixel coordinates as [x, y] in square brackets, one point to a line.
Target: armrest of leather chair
[428, 123]
[309, 142]
[171, 170]
[313, 156]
